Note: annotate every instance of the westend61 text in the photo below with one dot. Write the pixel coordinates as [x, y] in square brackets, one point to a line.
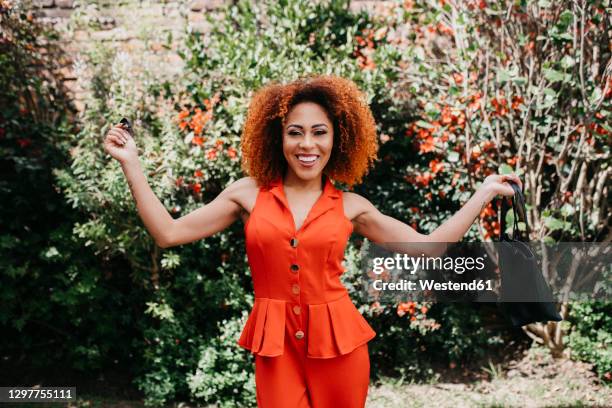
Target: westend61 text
[428, 284]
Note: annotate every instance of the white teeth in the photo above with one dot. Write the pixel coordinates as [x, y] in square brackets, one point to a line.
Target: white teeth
[308, 159]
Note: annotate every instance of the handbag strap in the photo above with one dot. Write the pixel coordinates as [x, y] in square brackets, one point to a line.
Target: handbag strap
[518, 210]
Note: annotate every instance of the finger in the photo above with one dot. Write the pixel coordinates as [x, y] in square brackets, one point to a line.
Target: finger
[119, 141]
[125, 134]
[507, 190]
[125, 128]
[119, 134]
[511, 177]
[119, 128]
[116, 140]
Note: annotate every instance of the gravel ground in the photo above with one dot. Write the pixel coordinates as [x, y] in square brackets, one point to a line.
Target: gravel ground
[535, 380]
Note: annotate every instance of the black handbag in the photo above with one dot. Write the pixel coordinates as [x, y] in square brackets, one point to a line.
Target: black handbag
[525, 297]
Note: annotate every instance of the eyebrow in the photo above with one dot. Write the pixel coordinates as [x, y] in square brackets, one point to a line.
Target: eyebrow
[301, 127]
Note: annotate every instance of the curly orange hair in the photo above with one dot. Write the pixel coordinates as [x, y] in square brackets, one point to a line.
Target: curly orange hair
[355, 144]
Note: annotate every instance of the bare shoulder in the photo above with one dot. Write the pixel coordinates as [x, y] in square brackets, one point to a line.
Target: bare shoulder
[355, 205]
[243, 192]
[242, 185]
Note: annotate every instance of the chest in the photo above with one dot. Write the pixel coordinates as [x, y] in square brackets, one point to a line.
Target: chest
[316, 229]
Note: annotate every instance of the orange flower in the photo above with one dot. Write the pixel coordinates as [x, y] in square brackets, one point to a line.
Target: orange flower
[197, 187]
[427, 145]
[455, 178]
[180, 118]
[211, 154]
[461, 120]
[182, 115]
[447, 118]
[199, 120]
[197, 173]
[408, 4]
[475, 101]
[436, 166]
[489, 211]
[209, 104]
[500, 106]
[198, 140]
[423, 179]
[424, 309]
[516, 101]
[404, 307]
[444, 29]
[423, 134]
[476, 152]
[458, 78]
[488, 145]
[231, 152]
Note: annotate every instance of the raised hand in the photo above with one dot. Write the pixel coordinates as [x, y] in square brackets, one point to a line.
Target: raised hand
[120, 144]
[498, 184]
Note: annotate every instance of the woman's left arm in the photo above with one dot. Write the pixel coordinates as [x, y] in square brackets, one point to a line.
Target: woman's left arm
[453, 229]
[393, 234]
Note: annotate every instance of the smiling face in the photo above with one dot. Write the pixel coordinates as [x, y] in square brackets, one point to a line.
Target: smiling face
[308, 136]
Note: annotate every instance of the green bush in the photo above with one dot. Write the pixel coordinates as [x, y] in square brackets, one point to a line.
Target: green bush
[55, 294]
[221, 376]
[590, 338]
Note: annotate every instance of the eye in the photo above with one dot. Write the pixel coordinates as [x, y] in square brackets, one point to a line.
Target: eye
[321, 132]
[294, 133]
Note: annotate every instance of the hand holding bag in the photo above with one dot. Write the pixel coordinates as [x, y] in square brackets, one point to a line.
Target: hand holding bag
[525, 296]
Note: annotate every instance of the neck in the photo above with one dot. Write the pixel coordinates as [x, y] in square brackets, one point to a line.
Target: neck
[294, 182]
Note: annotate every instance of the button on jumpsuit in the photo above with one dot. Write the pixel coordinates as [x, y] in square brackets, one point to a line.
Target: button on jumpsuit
[308, 338]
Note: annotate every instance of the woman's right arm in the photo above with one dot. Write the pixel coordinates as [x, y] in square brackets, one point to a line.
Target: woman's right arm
[201, 223]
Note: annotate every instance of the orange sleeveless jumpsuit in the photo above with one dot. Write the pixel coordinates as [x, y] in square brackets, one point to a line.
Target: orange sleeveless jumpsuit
[308, 338]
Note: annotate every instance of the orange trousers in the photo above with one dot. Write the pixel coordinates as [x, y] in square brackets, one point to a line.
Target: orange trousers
[293, 380]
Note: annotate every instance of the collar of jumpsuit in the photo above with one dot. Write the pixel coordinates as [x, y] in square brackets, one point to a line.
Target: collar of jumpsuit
[296, 277]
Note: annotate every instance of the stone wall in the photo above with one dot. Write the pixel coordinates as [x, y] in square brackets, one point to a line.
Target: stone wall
[133, 25]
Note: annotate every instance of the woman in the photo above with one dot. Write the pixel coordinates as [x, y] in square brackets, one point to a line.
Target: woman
[309, 340]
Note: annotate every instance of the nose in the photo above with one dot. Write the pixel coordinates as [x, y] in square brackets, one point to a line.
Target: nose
[307, 141]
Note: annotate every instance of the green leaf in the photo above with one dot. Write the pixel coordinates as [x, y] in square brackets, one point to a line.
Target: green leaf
[424, 124]
[503, 76]
[553, 223]
[553, 75]
[453, 156]
[565, 19]
[505, 169]
[567, 62]
[567, 209]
